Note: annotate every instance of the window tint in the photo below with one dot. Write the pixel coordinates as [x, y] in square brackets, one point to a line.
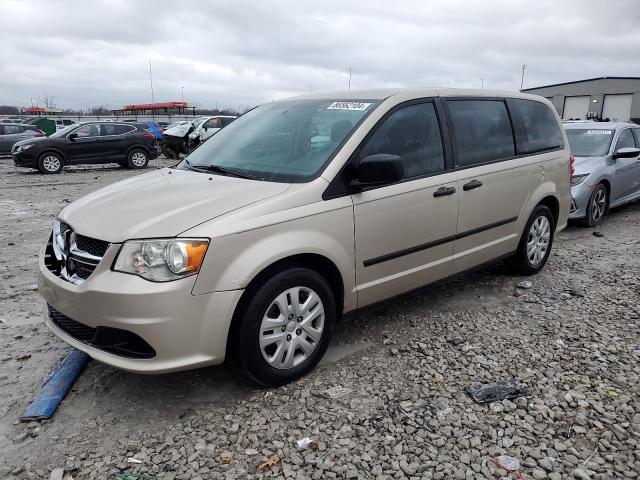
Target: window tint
[625, 140]
[413, 134]
[482, 131]
[115, 129]
[636, 133]
[12, 129]
[541, 129]
[226, 121]
[92, 130]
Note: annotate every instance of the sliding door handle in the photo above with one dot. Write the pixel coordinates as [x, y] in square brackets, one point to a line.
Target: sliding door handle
[471, 185]
[444, 191]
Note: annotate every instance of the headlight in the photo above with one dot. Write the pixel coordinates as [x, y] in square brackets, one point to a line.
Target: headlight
[161, 260]
[22, 148]
[578, 179]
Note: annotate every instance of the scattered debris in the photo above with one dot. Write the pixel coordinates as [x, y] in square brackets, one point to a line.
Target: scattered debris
[444, 412]
[510, 464]
[133, 460]
[269, 462]
[57, 474]
[560, 343]
[496, 407]
[336, 392]
[492, 392]
[437, 378]
[525, 284]
[591, 455]
[22, 358]
[456, 341]
[227, 457]
[306, 442]
[598, 234]
[607, 392]
[135, 476]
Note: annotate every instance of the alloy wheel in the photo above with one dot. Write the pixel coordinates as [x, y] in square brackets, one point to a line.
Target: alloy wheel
[538, 240]
[291, 327]
[598, 205]
[51, 163]
[138, 159]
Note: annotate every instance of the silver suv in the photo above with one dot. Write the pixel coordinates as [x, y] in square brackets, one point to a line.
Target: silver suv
[296, 213]
[607, 168]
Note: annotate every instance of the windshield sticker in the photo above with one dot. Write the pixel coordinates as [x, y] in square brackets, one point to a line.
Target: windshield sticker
[598, 132]
[348, 106]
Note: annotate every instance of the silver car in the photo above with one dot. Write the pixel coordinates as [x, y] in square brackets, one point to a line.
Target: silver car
[607, 168]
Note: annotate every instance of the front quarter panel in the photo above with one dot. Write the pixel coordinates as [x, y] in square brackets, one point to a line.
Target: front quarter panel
[323, 228]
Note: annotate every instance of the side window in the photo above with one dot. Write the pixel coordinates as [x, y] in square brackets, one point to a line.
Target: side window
[482, 131]
[541, 129]
[212, 123]
[115, 129]
[226, 121]
[636, 133]
[13, 129]
[67, 122]
[91, 130]
[412, 133]
[625, 140]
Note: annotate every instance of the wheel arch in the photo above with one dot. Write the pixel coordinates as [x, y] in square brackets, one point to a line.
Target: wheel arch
[137, 147]
[313, 261]
[52, 150]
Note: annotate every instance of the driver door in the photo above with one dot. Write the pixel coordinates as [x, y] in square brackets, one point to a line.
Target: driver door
[627, 170]
[404, 232]
[85, 147]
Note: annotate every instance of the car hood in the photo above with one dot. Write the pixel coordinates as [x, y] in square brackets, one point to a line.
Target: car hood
[584, 165]
[33, 140]
[163, 203]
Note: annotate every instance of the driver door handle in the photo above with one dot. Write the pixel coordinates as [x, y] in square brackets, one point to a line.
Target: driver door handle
[444, 191]
[471, 185]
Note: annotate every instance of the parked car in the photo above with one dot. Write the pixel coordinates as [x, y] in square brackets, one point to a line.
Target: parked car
[607, 168]
[63, 123]
[10, 133]
[207, 127]
[91, 142]
[153, 128]
[253, 246]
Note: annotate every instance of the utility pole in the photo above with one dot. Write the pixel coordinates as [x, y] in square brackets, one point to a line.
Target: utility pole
[349, 78]
[522, 79]
[153, 100]
[482, 83]
[182, 87]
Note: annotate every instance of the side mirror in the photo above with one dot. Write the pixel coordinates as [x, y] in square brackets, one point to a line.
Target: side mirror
[205, 128]
[627, 152]
[379, 169]
[72, 137]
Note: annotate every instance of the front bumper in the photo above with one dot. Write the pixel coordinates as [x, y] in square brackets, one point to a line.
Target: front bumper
[184, 330]
[580, 195]
[25, 159]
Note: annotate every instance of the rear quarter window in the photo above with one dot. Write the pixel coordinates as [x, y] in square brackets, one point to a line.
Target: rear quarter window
[539, 129]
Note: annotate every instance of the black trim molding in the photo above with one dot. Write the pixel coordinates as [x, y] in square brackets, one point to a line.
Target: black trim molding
[435, 243]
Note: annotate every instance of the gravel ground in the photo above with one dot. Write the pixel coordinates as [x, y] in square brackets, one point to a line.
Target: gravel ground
[390, 400]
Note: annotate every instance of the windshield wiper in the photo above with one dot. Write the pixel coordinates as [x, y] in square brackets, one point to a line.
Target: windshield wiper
[230, 172]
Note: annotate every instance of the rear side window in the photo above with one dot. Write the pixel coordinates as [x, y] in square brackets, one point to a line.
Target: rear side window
[412, 133]
[540, 130]
[12, 129]
[115, 129]
[636, 133]
[482, 131]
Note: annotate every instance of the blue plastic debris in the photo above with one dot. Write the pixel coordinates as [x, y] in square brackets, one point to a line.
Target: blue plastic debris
[57, 387]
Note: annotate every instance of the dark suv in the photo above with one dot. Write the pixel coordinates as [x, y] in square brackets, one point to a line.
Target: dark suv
[92, 143]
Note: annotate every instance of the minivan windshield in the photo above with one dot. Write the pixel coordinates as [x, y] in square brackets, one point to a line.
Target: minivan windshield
[587, 142]
[63, 132]
[289, 141]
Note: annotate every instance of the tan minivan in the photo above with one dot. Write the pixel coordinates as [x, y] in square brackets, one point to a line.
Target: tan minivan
[296, 213]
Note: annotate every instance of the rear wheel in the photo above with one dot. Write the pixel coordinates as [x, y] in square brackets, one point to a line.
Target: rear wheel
[137, 158]
[50, 163]
[285, 328]
[597, 206]
[536, 242]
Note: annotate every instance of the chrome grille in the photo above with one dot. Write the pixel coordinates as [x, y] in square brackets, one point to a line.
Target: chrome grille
[73, 257]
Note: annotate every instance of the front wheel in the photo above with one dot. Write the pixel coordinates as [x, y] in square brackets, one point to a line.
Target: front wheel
[536, 242]
[137, 158]
[50, 163]
[597, 206]
[285, 328]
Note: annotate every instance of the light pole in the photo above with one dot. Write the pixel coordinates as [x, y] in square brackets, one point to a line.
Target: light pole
[482, 83]
[182, 87]
[349, 78]
[522, 79]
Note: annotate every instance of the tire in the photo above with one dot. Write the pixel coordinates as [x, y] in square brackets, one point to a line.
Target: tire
[137, 158]
[50, 163]
[597, 207]
[276, 356]
[529, 260]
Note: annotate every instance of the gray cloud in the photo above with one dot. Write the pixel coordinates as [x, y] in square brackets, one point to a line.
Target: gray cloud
[241, 53]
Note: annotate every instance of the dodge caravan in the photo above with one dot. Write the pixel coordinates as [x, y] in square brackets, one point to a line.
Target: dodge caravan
[299, 211]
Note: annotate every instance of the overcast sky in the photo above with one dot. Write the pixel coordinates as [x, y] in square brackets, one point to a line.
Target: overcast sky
[236, 54]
